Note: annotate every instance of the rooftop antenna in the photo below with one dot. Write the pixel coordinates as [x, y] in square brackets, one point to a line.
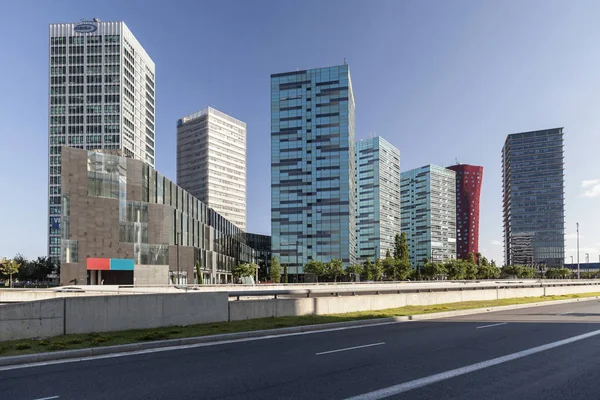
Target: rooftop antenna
[345, 61]
[457, 163]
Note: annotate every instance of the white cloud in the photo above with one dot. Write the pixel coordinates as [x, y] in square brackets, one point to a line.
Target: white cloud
[496, 242]
[592, 188]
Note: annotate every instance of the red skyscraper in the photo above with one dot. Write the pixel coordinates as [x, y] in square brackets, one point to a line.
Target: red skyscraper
[468, 191]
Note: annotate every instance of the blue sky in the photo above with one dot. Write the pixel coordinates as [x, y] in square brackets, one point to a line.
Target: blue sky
[440, 80]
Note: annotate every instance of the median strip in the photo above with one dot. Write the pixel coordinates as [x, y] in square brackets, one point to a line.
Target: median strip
[141, 337]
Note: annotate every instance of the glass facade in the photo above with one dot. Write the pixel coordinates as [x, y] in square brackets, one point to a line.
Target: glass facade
[428, 201]
[378, 197]
[533, 198]
[101, 95]
[313, 167]
[468, 193]
[218, 244]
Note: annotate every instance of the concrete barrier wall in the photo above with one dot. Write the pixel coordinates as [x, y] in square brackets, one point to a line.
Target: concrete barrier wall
[34, 319]
[116, 313]
[85, 314]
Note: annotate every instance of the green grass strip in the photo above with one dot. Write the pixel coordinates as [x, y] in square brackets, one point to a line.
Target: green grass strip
[80, 341]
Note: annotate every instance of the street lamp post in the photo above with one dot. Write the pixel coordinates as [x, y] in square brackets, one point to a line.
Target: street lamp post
[587, 262]
[578, 272]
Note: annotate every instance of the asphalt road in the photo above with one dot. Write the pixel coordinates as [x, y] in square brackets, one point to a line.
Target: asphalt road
[411, 360]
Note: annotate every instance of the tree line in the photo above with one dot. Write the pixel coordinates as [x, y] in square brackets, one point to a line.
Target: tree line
[397, 267]
[19, 269]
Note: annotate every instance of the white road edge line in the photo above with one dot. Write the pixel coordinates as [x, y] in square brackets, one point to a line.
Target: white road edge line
[48, 398]
[565, 313]
[489, 326]
[190, 346]
[349, 348]
[417, 383]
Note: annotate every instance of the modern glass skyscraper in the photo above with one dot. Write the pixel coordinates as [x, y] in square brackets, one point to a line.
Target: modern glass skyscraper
[211, 162]
[312, 166]
[534, 201]
[468, 194]
[428, 201]
[101, 96]
[377, 197]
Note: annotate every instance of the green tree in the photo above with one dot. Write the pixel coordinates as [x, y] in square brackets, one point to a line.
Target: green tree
[377, 269]
[368, 270]
[316, 268]
[387, 253]
[285, 274]
[471, 270]
[519, 271]
[9, 267]
[488, 271]
[456, 269]
[275, 271]
[558, 273]
[335, 268]
[401, 248]
[391, 267]
[397, 246]
[354, 270]
[243, 270]
[432, 270]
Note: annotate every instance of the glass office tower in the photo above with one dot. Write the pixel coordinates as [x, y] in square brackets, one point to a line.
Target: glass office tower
[428, 201]
[312, 167]
[534, 201]
[377, 197]
[101, 97]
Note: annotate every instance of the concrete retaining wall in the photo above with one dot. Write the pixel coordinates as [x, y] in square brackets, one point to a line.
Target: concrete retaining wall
[45, 318]
[85, 314]
[34, 319]
[116, 313]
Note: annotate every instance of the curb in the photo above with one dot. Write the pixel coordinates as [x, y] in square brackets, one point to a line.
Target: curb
[124, 348]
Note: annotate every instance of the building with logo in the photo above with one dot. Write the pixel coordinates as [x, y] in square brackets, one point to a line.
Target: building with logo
[211, 162]
[125, 223]
[468, 194]
[533, 198]
[428, 201]
[377, 197]
[101, 97]
[313, 205]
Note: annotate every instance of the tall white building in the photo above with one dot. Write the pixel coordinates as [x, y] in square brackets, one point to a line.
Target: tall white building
[101, 96]
[377, 197]
[211, 162]
[428, 201]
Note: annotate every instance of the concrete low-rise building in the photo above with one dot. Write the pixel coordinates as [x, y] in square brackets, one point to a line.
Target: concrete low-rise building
[125, 223]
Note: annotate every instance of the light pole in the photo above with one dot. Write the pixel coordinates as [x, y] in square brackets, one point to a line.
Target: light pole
[571, 262]
[578, 273]
[587, 261]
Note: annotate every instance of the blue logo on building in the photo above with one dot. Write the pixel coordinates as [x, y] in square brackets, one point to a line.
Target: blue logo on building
[179, 122]
[55, 222]
[85, 27]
